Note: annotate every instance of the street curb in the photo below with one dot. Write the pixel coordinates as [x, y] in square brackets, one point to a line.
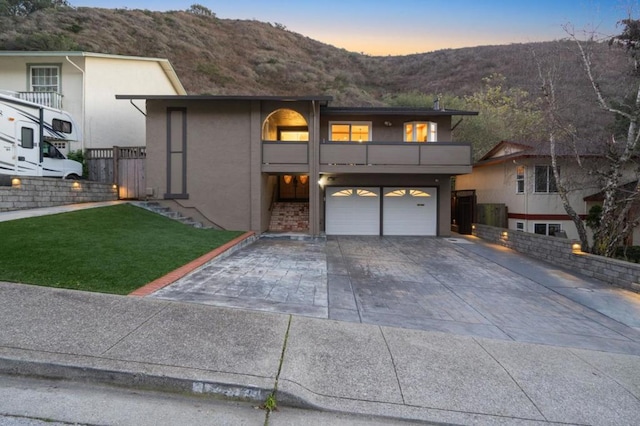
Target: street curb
[226, 249]
[130, 379]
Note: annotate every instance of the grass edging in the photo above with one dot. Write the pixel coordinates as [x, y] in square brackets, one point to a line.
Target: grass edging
[176, 274]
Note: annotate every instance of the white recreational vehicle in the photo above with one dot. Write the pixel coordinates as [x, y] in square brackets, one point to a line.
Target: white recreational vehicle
[27, 133]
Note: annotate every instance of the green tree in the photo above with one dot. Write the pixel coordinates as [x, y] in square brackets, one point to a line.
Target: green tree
[198, 9]
[613, 222]
[27, 7]
[504, 113]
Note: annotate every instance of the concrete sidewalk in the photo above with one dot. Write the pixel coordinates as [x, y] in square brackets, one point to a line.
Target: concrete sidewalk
[324, 364]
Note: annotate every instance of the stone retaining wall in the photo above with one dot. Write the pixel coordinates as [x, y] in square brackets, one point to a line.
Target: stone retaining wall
[559, 251]
[33, 192]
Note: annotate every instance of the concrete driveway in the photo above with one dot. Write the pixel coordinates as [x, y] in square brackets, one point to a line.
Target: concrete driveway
[454, 285]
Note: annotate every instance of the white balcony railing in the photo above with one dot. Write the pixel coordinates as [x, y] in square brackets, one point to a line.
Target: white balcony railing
[50, 99]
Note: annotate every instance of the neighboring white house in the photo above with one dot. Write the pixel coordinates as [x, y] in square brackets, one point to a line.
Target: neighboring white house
[519, 175]
[86, 84]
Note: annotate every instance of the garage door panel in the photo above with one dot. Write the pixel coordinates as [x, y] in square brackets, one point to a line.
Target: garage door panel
[352, 211]
[410, 211]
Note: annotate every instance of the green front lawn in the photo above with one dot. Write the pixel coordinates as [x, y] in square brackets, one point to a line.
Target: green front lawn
[114, 249]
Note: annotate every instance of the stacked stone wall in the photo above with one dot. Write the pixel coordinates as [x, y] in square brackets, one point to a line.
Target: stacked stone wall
[21, 192]
[560, 252]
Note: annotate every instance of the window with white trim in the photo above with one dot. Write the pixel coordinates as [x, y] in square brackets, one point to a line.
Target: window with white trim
[520, 179]
[420, 131]
[44, 78]
[520, 226]
[547, 228]
[544, 179]
[344, 131]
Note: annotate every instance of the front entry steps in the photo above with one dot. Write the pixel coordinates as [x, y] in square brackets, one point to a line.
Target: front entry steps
[289, 217]
[167, 212]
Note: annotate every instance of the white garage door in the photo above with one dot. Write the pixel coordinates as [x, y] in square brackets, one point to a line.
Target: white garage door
[409, 211]
[352, 211]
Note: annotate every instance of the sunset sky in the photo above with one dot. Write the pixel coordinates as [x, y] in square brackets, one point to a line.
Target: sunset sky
[412, 26]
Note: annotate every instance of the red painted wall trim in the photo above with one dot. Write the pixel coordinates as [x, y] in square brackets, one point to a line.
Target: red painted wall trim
[542, 216]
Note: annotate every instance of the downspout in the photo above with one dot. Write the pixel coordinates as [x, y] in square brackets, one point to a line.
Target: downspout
[84, 121]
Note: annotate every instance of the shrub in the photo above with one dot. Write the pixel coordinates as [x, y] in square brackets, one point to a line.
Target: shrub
[78, 156]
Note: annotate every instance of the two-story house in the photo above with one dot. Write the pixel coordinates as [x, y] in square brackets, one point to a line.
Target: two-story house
[520, 176]
[228, 160]
[85, 84]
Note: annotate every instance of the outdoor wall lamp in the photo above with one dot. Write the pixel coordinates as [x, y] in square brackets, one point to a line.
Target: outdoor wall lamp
[576, 248]
[75, 185]
[505, 234]
[15, 182]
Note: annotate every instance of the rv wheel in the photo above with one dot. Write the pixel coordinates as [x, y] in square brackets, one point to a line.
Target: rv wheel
[72, 177]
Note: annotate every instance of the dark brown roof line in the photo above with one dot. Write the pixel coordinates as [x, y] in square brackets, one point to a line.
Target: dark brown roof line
[324, 99]
[392, 111]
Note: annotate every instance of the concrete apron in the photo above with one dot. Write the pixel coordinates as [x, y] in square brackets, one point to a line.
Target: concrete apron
[453, 285]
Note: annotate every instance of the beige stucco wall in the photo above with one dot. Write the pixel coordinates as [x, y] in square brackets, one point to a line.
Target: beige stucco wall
[218, 159]
[112, 122]
[497, 184]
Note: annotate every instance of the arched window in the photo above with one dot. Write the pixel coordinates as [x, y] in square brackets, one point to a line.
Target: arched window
[285, 125]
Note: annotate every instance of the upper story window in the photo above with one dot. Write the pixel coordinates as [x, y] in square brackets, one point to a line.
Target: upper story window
[44, 78]
[544, 179]
[520, 179]
[420, 131]
[350, 131]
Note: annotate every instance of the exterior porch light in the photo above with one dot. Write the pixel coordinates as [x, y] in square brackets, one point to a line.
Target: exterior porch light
[76, 185]
[303, 179]
[288, 179]
[505, 234]
[15, 182]
[576, 248]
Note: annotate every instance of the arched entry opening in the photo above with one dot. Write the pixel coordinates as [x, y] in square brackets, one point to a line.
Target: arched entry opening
[288, 126]
[285, 125]
[290, 206]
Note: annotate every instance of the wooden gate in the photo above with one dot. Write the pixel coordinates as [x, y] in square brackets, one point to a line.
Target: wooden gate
[463, 211]
[124, 166]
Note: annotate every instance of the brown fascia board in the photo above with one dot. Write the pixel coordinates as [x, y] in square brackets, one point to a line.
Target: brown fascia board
[321, 99]
[500, 144]
[504, 159]
[522, 154]
[329, 111]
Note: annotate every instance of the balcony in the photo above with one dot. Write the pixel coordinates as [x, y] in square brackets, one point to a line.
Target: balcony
[370, 157]
[285, 156]
[395, 157]
[49, 99]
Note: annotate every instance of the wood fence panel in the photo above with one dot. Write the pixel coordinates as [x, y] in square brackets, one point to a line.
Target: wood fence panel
[131, 178]
[124, 166]
[493, 215]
